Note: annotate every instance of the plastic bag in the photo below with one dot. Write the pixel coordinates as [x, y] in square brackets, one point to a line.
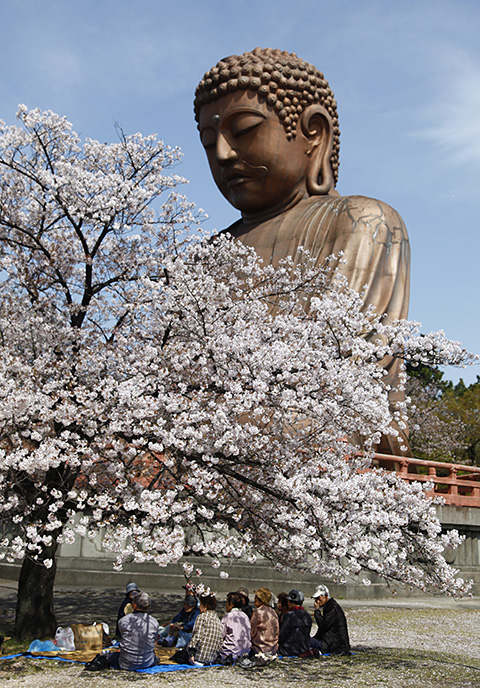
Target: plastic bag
[42, 646]
[64, 639]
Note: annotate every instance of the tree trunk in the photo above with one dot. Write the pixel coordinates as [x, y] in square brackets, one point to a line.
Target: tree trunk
[35, 617]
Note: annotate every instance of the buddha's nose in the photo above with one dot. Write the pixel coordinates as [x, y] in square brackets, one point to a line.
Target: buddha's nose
[224, 152]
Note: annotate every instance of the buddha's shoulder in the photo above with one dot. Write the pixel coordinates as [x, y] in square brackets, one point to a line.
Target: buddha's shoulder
[319, 216]
[357, 211]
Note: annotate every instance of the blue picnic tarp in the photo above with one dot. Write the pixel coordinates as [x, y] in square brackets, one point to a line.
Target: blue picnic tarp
[162, 668]
[158, 669]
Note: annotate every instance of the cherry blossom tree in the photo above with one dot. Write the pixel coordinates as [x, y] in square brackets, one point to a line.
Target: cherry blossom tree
[78, 227]
[171, 390]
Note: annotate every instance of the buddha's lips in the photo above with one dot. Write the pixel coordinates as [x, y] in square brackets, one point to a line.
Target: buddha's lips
[234, 179]
[237, 175]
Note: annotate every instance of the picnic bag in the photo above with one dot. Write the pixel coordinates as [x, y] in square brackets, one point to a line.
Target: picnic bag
[88, 637]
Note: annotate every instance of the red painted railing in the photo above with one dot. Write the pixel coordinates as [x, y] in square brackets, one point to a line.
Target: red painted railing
[458, 485]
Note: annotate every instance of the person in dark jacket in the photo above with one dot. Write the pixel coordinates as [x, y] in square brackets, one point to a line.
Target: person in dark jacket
[125, 608]
[294, 637]
[332, 633]
[246, 606]
[282, 605]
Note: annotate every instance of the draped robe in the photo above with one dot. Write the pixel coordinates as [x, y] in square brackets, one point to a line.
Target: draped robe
[376, 253]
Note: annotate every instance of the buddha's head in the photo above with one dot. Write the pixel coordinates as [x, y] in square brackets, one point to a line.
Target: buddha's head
[269, 125]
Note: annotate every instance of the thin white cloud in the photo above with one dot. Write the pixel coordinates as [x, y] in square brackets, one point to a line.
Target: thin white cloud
[452, 119]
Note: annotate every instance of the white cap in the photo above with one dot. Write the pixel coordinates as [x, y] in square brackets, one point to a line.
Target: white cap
[321, 591]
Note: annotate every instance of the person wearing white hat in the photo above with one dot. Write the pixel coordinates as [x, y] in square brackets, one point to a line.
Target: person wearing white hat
[332, 633]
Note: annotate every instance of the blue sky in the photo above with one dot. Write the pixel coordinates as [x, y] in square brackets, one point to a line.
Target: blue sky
[406, 76]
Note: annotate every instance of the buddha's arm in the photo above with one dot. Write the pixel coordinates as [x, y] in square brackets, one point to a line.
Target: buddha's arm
[375, 245]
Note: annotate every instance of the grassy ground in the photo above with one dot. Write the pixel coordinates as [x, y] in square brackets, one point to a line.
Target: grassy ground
[393, 648]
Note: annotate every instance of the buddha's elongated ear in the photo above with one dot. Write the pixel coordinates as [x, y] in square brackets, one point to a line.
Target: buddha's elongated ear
[318, 129]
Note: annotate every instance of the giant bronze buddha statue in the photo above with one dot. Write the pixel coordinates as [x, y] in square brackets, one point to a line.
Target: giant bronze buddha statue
[268, 122]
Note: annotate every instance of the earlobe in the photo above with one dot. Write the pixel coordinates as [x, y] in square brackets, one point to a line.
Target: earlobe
[317, 128]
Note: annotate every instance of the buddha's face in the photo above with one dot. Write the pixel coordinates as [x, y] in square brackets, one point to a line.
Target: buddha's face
[254, 165]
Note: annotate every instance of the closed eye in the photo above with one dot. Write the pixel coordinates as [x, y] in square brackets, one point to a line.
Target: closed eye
[208, 138]
[245, 122]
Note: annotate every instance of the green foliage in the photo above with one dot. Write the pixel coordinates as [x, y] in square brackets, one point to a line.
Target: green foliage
[445, 418]
[464, 404]
[427, 375]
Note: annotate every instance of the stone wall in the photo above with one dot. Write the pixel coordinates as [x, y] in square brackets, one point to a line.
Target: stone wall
[86, 564]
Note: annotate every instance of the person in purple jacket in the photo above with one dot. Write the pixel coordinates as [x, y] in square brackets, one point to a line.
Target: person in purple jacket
[236, 631]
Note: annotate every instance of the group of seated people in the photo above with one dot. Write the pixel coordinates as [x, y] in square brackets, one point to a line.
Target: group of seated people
[201, 638]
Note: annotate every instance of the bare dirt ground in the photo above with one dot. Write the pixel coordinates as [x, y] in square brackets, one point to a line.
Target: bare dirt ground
[411, 644]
